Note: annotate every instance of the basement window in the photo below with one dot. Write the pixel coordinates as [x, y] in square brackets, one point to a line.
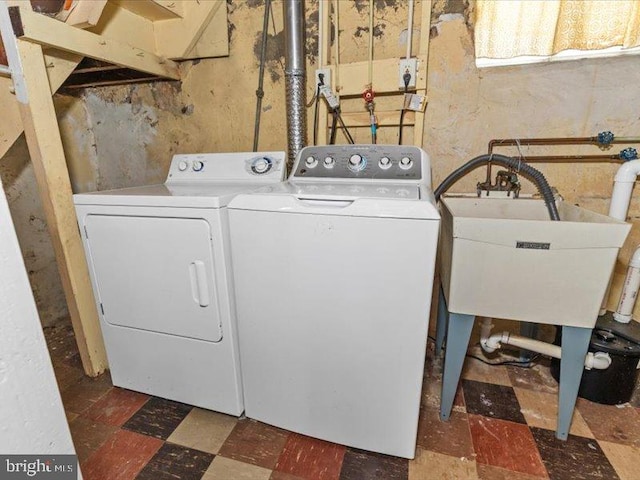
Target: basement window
[532, 31]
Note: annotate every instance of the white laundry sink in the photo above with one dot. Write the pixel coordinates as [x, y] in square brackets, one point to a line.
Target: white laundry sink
[504, 258]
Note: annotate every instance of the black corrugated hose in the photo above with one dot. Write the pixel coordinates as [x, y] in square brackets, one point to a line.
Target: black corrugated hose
[521, 167]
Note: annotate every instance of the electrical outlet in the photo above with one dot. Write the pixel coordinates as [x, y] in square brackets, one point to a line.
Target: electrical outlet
[410, 66]
[327, 76]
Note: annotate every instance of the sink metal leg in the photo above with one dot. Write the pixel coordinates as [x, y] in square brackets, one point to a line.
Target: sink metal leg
[441, 324]
[458, 335]
[575, 343]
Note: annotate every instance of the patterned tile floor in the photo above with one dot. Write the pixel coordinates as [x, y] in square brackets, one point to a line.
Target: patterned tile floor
[501, 428]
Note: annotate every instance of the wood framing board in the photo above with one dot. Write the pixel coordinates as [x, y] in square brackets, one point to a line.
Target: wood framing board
[389, 118]
[354, 77]
[119, 23]
[214, 41]
[86, 13]
[176, 7]
[151, 9]
[59, 66]
[421, 84]
[324, 27]
[42, 30]
[176, 38]
[49, 164]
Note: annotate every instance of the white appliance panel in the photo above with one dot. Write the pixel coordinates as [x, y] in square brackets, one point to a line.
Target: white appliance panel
[155, 274]
[160, 266]
[337, 350]
[182, 369]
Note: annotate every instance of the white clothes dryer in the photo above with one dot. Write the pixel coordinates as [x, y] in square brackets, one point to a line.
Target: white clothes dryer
[159, 263]
[333, 273]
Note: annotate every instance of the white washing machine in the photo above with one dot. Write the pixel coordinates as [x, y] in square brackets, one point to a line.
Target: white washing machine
[333, 273]
[159, 262]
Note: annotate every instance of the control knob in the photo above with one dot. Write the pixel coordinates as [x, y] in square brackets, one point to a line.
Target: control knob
[356, 162]
[197, 165]
[385, 163]
[329, 162]
[406, 163]
[261, 165]
[311, 162]
[183, 165]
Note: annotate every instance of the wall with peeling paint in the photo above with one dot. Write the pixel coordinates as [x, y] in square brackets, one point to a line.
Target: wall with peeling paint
[19, 183]
[123, 136]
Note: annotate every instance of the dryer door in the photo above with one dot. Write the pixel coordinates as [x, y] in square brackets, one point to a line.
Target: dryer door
[155, 274]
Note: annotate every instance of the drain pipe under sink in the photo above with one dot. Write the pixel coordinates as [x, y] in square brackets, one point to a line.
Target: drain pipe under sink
[490, 343]
[629, 290]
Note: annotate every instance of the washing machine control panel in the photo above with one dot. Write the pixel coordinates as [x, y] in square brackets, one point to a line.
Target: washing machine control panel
[241, 166]
[380, 162]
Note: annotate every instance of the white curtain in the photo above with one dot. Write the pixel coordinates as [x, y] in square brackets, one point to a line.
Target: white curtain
[509, 29]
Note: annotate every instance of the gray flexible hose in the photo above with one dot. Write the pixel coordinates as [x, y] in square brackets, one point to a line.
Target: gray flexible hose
[521, 167]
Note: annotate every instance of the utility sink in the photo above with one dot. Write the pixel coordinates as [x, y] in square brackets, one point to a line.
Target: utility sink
[504, 258]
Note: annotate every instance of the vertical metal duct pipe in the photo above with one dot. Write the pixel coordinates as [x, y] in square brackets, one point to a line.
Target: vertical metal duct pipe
[294, 74]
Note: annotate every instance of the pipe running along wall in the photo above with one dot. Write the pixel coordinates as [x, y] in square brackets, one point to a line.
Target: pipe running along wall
[294, 73]
[624, 181]
[629, 295]
[521, 167]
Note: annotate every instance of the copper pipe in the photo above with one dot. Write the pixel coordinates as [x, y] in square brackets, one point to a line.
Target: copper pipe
[541, 141]
[572, 158]
[504, 142]
[557, 141]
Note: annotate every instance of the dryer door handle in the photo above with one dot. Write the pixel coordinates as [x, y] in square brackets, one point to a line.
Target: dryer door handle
[199, 283]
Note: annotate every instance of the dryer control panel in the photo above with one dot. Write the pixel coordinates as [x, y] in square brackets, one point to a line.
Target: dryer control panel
[379, 162]
[239, 166]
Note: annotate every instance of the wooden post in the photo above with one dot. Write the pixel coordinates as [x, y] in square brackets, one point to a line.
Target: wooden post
[354, 75]
[49, 164]
[37, 28]
[421, 83]
[323, 112]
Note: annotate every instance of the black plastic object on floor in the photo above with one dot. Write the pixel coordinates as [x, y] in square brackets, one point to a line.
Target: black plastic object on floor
[614, 385]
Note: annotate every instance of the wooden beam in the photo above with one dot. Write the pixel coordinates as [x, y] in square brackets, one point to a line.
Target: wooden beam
[354, 76]
[177, 7]
[324, 26]
[421, 82]
[11, 121]
[214, 41]
[50, 167]
[86, 13]
[119, 23]
[151, 9]
[385, 119]
[43, 30]
[106, 83]
[59, 67]
[176, 38]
